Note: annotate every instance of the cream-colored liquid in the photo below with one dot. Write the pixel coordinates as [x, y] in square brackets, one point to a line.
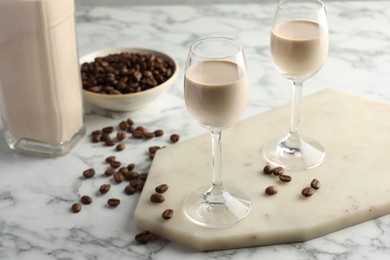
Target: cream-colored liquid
[39, 74]
[216, 92]
[299, 48]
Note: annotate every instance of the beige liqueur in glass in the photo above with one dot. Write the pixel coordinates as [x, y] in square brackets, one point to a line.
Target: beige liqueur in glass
[216, 92]
[299, 48]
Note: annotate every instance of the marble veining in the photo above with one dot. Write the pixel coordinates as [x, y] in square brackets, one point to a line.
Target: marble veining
[36, 193]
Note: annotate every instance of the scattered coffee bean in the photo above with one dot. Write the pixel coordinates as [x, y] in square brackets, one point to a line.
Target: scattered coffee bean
[308, 191]
[154, 149]
[140, 186]
[174, 138]
[267, 170]
[109, 142]
[137, 134]
[113, 202]
[120, 147]
[271, 190]
[118, 177]
[131, 166]
[108, 129]
[284, 178]
[161, 188]
[158, 132]
[110, 159]
[315, 184]
[167, 214]
[157, 198]
[76, 207]
[86, 199]
[121, 136]
[124, 125]
[130, 122]
[104, 188]
[148, 135]
[277, 171]
[95, 138]
[109, 172]
[115, 164]
[123, 170]
[104, 137]
[131, 175]
[129, 189]
[96, 132]
[134, 182]
[89, 173]
[143, 176]
[143, 237]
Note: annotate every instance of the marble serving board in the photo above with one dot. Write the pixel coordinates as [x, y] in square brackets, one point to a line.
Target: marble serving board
[355, 176]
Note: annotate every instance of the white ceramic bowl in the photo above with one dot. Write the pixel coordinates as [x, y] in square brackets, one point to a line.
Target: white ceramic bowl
[131, 101]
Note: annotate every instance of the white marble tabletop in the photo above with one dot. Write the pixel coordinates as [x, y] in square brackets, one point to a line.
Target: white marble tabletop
[36, 193]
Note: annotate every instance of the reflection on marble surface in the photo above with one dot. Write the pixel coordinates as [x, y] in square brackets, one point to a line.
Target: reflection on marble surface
[36, 193]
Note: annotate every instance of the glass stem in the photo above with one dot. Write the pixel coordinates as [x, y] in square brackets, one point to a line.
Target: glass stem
[293, 139]
[215, 194]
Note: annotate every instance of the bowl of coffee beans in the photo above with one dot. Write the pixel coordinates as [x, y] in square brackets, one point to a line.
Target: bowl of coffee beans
[126, 79]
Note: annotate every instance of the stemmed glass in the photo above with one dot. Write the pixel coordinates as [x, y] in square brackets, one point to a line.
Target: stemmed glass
[216, 93]
[299, 46]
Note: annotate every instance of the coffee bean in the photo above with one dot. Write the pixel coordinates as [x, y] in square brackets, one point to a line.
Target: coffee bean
[121, 136]
[120, 147]
[157, 198]
[134, 182]
[124, 125]
[140, 186]
[123, 170]
[129, 189]
[104, 188]
[104, 137]
[315, 184]
[109, 142]
[130, 122]
[137, 134]
[158, 132]
[161, 188]
[131, 166]
[174, 138]
[89, 173]
[131, 175]
[95, 138]
[110, 159]
[109, 172]
[151, 156]
[113, 202]
[284, 178]
[76, 207]
[118, 177]
[143, 237]
[271, 190]
[148, 135]
[154, 149]
[308, 191]
[267, 170]
[108, 129]
[96, 132]
[167, 214]
[86, 199]
[115, 164]
[277, 171]
[143, 176]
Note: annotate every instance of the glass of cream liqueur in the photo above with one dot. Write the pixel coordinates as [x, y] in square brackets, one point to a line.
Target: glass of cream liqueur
[40, 84]
[299, 47]
[216, 93]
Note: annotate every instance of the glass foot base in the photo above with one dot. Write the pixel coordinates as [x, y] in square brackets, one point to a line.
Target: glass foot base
[236, 207]
[305, 155]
